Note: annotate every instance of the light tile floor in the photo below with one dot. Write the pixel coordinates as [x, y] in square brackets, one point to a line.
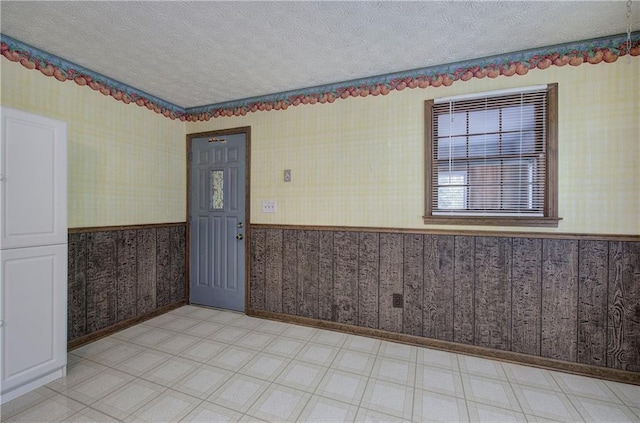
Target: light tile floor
[196, 364]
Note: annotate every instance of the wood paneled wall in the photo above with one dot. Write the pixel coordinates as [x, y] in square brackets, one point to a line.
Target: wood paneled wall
[116, 275]
[568, 299]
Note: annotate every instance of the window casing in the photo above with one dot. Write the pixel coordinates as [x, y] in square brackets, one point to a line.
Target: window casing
[491, 158]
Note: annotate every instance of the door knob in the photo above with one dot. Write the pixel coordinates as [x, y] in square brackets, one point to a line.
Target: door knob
[239, 237]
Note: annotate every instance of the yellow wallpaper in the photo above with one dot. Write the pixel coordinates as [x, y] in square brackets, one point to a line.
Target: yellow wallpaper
[359, 162]
[126, 163]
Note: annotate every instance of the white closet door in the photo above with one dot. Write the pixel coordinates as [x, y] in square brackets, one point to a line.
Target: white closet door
[33, 173]
[33, 288]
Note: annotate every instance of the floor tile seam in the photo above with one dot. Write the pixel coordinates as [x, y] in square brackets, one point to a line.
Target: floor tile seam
[573, 398]
[371, 378]
[528, 384]
[623, 400]
[115, 419]
[537, 414]
[4, 418]
[164, 388]
[501, 407]
[222, 406]
[113, 367]
[594, 397]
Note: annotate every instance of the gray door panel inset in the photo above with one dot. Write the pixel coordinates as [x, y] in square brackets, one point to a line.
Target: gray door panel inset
[218, 222]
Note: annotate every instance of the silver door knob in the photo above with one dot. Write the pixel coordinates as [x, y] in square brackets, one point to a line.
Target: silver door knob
[239, 237]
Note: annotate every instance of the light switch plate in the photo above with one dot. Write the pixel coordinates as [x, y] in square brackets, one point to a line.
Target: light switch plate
[269, 206]
[287, 175]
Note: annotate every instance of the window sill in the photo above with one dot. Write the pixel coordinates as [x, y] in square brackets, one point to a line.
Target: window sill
[542, 222]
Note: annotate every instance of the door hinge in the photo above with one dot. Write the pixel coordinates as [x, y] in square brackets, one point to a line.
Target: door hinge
[190, 156]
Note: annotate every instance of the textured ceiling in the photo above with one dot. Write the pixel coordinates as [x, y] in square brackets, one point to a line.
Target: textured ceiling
[198, 53]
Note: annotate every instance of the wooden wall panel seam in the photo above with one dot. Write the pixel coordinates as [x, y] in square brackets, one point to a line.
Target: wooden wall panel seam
[526, 295]
[111, 274]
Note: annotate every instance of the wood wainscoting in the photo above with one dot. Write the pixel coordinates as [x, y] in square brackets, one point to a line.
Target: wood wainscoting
[544, 299]
[118, 276]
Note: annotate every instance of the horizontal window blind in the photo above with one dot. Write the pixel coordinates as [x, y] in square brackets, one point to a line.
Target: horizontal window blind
[489, 154]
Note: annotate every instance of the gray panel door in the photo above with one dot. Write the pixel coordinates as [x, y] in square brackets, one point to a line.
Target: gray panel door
[217, 222]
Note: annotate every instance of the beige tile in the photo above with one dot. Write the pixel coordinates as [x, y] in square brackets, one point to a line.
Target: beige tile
[481, 367]
[176, 343]
[163, 319]
[229, 334]
[279, 404]
[545, 403]
[328, 337]
[204, 329]
[171, 371]
[585, 387]
[208, 412]
[354, 361]
[126, 400]
[143, 362]
[203, 381]
[322, 410]
[96, 347]
[246, 322]
[597, 411]
[437, 358]
[180, 324]
[388, 398]
[530, 376]
[186, 310]
[233, 358]
[255, 340]
[225, 317]
[203, 350]
[366, 415]
[300, 332]
[493, 392]
[362, 344]
[394, 370]
[484, 413]
[265, 366]
[56, 408]
[434, 407]
[170, 406]
[342, 386]
[303, 376]
[76, 373]
[270, 326]
[629, 394]
[440, 380]
[24, 402]
[317, 354]
[284, 346]
[152, 337]
[250, 419]
[98, 386]
[239, 393]
[116, 355]
[132, 332]
[203, 313]
[398, 351]
[89, 415]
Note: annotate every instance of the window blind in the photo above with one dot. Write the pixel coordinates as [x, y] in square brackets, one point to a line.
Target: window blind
[489, 153]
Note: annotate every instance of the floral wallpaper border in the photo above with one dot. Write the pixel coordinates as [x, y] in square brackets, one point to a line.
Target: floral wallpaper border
[606, 49]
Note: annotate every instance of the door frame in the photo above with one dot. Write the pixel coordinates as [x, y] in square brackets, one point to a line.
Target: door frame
[246, 130]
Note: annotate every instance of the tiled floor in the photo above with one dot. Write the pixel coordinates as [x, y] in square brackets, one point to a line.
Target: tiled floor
[203, 365]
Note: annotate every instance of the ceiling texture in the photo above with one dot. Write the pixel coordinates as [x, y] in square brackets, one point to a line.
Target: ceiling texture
[196, 53]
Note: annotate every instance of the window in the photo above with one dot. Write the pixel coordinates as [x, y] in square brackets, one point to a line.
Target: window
[491, 158]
